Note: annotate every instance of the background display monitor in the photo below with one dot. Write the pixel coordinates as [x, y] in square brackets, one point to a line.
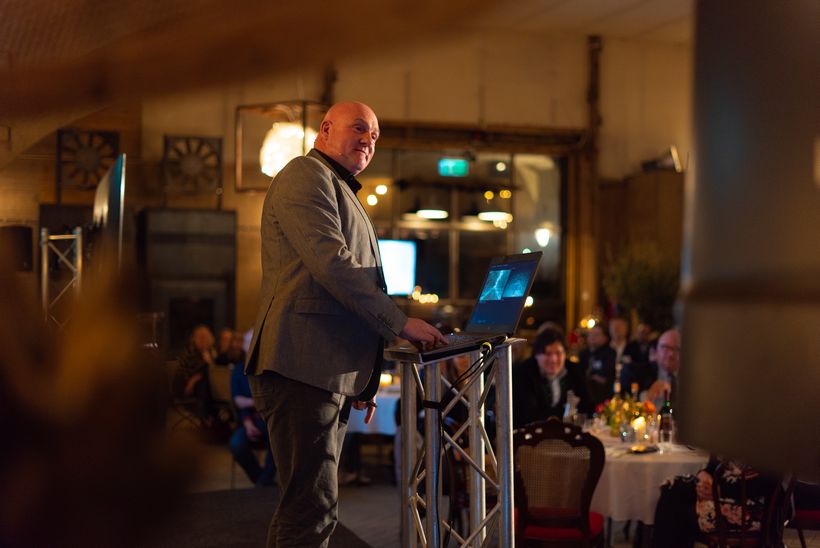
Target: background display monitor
[108, 209]
[399, 264]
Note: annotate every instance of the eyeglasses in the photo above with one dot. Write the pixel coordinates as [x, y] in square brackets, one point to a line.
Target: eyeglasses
[675, 349]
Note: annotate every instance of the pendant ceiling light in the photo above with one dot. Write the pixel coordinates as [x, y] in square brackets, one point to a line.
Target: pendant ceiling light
[432, 208]
[283, 142]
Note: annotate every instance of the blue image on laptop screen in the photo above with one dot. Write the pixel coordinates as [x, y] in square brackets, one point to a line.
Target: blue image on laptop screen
[501, 299]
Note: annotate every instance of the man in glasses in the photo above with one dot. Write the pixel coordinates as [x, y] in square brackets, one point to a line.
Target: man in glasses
[656, 377]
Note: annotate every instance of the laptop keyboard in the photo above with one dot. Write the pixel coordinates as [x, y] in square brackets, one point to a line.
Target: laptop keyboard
[458, 338]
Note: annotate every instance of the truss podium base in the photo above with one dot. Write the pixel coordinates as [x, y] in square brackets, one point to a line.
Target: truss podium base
[490, 468]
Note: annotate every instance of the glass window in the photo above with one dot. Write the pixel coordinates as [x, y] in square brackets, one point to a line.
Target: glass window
[538, 219]
[504, 204]
[476, 250]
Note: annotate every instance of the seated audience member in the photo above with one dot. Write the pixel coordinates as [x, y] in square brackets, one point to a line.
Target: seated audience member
[551, 325]
[235, 352]
[541, 383]
[619, 338]
[597, 361]
[191, 378]
[223, 343]
[638, 349]
[657, 377]
[252, 431]
[686, 505]
[618, 341]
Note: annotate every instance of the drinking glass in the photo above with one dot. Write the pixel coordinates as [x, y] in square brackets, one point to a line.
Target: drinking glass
[579, 419]
[651, 435]
[627, 433]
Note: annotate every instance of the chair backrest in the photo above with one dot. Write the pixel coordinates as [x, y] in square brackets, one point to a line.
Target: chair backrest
[557, 467]
[220, 378]
[757, 505]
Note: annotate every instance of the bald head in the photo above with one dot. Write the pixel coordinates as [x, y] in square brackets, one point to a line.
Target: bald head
[348, 135]
[668, 353]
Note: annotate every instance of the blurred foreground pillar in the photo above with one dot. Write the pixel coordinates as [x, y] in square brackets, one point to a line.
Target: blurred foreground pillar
[751, 298]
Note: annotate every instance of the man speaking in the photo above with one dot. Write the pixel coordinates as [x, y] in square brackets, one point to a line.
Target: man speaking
[322, 321]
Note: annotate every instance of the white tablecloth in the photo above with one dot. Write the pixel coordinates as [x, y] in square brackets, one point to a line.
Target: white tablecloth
[384, 421]
[629, 485]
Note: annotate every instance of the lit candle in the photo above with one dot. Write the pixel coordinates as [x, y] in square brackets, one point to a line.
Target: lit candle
[639, 426]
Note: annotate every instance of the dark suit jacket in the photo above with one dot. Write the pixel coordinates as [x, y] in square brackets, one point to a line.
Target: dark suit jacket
[532, 394]
[322, 311]
[601, 363]
[643, 373]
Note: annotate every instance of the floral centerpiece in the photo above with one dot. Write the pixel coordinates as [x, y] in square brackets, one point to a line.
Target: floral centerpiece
[617, 411]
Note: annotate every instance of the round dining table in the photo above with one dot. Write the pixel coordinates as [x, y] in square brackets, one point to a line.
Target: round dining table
[629, 487]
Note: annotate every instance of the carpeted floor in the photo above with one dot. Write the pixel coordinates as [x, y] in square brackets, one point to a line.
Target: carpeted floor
[227, 519]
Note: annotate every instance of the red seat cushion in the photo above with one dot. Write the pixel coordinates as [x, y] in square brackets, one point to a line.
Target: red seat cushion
[596, 527]
[806, 519]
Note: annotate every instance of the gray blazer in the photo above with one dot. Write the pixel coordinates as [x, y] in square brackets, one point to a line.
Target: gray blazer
[322, 311]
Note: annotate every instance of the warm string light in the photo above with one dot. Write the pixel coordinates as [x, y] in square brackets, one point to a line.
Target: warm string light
[423, 298]
[588, 322]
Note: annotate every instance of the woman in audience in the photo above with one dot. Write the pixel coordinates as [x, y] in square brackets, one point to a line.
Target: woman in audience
[541, 384]
[192, 374]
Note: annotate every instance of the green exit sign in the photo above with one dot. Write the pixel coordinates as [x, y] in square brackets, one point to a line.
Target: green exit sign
[453, 167]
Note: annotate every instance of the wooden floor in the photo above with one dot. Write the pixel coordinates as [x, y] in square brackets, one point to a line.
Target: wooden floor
[372, 511]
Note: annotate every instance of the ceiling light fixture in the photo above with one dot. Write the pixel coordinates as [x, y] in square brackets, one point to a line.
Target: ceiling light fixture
[542, 236]
[283, 142]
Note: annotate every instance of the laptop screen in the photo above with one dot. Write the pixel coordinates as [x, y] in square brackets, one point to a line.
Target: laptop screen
[502, 296]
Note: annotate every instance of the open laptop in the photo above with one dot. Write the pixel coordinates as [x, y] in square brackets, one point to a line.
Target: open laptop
[495, 315]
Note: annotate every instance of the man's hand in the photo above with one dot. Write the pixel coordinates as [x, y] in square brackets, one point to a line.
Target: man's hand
[189, 386]
[207, 357]
[657, 390]
[369, 405]
[253, 433]
[419, 331]
[600, 379]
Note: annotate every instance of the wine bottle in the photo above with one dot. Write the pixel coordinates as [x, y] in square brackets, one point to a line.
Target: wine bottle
[635, 393]
[665, 420]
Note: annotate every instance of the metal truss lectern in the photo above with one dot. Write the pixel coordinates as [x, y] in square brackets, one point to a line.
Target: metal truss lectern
[490, 468]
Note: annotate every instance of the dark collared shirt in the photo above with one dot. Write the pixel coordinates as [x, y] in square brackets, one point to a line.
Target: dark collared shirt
[343, 173]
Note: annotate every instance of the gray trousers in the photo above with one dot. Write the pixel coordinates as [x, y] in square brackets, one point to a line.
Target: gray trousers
[306, 436]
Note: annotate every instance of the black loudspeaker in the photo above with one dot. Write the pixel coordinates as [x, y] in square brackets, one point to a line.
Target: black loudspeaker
[16, 247]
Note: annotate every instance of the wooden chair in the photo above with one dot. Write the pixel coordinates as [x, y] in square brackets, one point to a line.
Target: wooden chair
[804, 518]
[772, 514]
[180, 409]
[557, 467]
